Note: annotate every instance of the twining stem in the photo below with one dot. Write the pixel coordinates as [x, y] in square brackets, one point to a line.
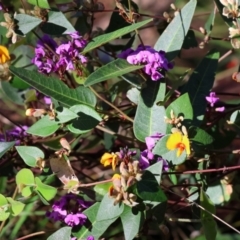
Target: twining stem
[204, 171]
[111, 105]
[95, 183]
[114, 133]
[225, 55]
[31, 235]
[192, 202]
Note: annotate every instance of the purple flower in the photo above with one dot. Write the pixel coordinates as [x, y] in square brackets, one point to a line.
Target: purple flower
[16, 134]
[78, 40]
[154, 61]
[75, 219]
[126, 153]
[220, 109]
[144, 161]
[46, 42]
[150, 142]
[212, 99]
[45, 58]
[47, 100]
[49, 57]
[147, 155]
[69, 210]
[90, 238]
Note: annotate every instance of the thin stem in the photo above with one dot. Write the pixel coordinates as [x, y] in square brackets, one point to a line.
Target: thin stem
[205, 170]
[111, 105]
[95, 183]
[225, 55]
[114, 133]
[32, 235]
[192, 202]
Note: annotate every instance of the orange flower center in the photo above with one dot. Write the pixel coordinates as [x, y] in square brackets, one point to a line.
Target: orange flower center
[180, 146]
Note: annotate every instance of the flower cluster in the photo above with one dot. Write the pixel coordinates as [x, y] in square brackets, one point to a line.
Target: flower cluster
[212, 99]
[49, 57]
[114, 158]
[69, 210]
[155, 62]
[147, 155]
[130, 173]
[14, 135]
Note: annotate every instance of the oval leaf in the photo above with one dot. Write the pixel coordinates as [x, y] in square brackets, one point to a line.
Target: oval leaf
[25, 177]
[63, 233]
[87, 119]
[108, 210]
[30, 155]
[46, 191]
[44, 127]
[130, 222]
[5, 146]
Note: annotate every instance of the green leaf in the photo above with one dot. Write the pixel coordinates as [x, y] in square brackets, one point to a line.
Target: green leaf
[172, 38]
[97, 228]
[218, 192]
[25, 177]
[64, 115]
[149, 117]
[180, 107]
[53, 87]
[5, 146]
[27, 191]
[111, 70]
[3, 201]
[4, 214]
[133, 95]
[57, 24]
[100, 40]
[39, 3]
[200, 83]
[156, 170]
[210, 22]
[63, 233]
[108, 210]
[130, 222]
[26, 23]
[46, 191]
[235, 118]
[102, 189]
[148, 188]
[208, 222]
[30, 155]
[199, 135]
[87, 119]
[44, 127]
[16, 207]
[12, 93]
[160, 149]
